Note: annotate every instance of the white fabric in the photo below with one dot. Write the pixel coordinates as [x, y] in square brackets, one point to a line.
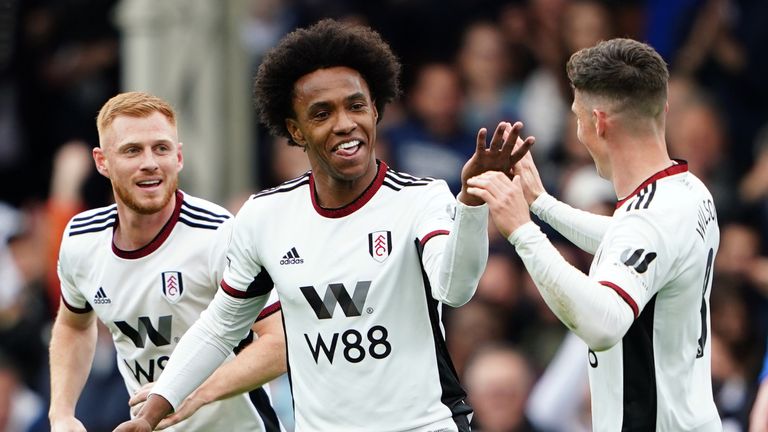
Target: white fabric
[584, 229]
[656, 255]
[376, 364]
[127, 295]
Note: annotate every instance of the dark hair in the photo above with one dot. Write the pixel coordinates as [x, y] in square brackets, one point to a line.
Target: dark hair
[630, 72]
[326, 44]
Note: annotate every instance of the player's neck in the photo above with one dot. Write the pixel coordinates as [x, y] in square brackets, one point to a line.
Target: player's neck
[635, 162]
[136, 230]
[333, 193]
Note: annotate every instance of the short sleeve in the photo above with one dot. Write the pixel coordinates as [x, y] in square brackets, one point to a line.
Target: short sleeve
[436, 215]
[634, 260]
[217, 259]
[244, 277]
[73, 298]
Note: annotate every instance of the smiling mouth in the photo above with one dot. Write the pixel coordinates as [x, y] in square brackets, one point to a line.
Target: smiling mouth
[148, 183]
[349, 145]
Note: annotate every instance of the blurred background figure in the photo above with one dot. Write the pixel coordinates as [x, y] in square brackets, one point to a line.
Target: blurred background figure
[431, 141]
[498, 381]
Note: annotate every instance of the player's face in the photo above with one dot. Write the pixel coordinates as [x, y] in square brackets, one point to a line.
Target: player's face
[336, 124]
[142, 158]
[586, 131]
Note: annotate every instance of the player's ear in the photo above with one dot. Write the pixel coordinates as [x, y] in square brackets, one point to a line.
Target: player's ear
[296, 134]
[101, 161]
[600, 118]
[375, 111]
[180, 155]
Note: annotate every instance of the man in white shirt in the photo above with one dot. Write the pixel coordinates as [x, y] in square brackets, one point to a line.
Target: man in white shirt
[643, 310]
[147, 266]
[361, 256]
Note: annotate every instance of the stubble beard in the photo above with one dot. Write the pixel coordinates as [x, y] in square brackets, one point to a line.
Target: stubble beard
[132, 203]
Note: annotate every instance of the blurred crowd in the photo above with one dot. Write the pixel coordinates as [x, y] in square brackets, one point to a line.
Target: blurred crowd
[467, 64]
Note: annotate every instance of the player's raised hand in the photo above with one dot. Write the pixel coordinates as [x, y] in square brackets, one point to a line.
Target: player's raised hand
[530, 180]
[504, 197]
[501, 155]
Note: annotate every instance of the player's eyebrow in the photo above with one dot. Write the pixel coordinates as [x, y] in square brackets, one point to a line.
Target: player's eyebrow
[319, 105]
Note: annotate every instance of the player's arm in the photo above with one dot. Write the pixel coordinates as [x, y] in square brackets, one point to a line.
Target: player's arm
[455, 263]
[260, 362]
[582, 228]
[73, 343]
[595, 312]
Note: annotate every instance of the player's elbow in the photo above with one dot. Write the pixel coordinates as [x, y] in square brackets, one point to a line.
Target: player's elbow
[602, 339]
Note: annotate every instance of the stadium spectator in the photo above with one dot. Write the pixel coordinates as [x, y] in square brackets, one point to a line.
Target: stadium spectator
[388, 247]
[431, 140]
[644, 307]
[499, 380]
[152, 260]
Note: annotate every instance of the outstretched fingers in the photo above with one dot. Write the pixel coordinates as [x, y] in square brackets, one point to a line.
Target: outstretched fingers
[522, 147]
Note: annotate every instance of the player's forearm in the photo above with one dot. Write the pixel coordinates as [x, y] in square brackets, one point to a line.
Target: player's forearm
[463, 258]
[582, 228]
[71, 355]
[593, 311]
[259, 363]
[206, 345]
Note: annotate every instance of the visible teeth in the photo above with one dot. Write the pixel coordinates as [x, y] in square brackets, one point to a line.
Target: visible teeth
[347, 145]
[149, 182]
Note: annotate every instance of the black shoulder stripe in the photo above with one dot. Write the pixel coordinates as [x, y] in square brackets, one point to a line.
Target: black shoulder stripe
[407, 177]
[93, 222]
[409, 181]
[111, 208]
[391, 186]
[405, 183]
[197, 225]
[200, 218]
[94, 229]
[202, 210]
[281, 189]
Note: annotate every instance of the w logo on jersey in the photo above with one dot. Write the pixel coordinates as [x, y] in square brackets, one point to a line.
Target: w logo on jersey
[337, 293]
[173, 286]
[380, 245]
[632, 259]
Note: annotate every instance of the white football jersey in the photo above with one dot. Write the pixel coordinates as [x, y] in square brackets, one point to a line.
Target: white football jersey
[366, 350]
[149, 297]
[657, 255]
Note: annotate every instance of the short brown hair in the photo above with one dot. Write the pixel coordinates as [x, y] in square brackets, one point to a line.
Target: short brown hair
[629, 72]
[132, 104]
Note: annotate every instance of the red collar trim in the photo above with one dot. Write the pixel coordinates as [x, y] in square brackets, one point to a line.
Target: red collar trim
[680, 167]
[159, 238]
[355, 205]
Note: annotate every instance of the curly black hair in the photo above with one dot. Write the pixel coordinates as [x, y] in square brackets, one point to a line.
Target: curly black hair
[328, 43]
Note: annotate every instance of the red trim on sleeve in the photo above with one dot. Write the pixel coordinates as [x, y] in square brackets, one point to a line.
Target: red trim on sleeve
[680, 167]
[159, 238]
[433, 234]
[623, 294]
[269, 310]
[77, 310]
[232, 291]
[355, 205]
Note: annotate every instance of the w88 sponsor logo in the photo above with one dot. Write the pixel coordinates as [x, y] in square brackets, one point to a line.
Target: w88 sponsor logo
[354, 351]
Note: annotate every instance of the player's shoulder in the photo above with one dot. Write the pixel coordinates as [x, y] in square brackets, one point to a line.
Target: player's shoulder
[284, 190]
[200, 213]
[669, 193]
[91, 221]
[399, 181]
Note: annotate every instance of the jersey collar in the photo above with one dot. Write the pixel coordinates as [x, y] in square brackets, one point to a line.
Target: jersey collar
[355, 205]
[680, 166]
[159, 238]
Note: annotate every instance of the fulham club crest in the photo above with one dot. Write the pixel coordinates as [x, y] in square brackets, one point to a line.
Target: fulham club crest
[173, 286]
[380, 245]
